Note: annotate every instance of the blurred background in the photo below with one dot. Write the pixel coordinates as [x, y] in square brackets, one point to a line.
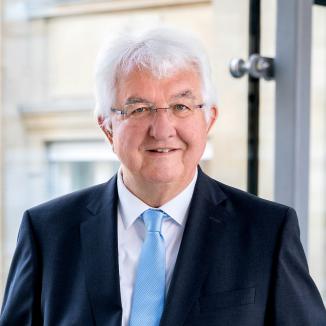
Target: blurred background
[49, 141]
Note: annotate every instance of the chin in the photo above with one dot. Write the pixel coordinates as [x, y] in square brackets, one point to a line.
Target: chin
[161, 178]
[165, 176]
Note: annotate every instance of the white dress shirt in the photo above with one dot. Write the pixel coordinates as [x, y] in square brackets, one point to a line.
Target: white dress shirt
[132, 231]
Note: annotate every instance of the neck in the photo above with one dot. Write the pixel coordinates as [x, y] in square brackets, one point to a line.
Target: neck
[155, 194]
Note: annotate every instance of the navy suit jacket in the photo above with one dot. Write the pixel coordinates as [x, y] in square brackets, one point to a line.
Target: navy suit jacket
[240, 263]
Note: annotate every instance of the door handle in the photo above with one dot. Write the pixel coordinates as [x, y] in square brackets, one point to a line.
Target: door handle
[256, 67]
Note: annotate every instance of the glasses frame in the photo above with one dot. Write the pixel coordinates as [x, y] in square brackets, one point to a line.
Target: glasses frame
[154, 109]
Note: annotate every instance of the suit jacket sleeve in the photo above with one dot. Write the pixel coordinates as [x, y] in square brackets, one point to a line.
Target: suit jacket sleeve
[295, 298]
[21, 302]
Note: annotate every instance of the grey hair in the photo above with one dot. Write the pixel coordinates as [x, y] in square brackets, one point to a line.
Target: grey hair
[163, 51]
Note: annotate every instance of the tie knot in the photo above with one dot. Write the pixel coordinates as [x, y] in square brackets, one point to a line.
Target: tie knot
[153, 219]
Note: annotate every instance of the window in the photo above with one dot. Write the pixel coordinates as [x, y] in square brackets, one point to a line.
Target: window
[76, 165]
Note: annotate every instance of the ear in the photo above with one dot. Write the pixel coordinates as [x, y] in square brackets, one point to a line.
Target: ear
[212, 118]
[106, 129]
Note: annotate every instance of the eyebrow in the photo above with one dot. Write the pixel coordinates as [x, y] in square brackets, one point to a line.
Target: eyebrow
[135, 100]
[184, 94]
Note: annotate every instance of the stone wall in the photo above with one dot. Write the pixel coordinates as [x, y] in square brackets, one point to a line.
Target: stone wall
[48, 63]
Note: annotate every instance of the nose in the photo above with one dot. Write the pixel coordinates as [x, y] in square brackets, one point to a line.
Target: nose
[162, 125]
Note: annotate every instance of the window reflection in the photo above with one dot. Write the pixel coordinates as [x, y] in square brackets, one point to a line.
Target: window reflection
[76, 165]
[317, 195]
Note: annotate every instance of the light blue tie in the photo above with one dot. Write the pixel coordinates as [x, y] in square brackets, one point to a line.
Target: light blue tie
[149, 290]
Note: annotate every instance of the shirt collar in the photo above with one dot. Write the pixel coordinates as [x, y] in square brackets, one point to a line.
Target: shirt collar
[131, 207]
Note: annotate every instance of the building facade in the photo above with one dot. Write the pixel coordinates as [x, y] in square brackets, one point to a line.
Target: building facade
[51, 143]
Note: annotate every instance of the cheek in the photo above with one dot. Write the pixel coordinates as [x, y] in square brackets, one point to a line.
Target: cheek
[126, 139]
[195, 135]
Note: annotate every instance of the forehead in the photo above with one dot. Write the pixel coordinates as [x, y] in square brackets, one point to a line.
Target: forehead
[142, 83]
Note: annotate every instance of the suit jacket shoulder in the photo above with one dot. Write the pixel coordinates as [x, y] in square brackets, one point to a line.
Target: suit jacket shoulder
[74, 208]
[242, 206]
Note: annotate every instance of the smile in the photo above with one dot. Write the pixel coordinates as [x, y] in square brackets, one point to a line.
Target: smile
[162, 150]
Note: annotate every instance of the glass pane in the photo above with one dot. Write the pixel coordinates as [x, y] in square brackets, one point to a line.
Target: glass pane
[75, 165]
[66, 177]
[229, 39]
[47, 97]
[317, 195]
[267, 104]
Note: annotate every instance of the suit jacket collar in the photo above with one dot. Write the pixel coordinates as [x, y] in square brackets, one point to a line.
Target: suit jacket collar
[100, 252]
[206, 219]
[100, 256]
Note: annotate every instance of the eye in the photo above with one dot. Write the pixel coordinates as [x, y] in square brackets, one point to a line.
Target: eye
[138, 110]
[180, 108]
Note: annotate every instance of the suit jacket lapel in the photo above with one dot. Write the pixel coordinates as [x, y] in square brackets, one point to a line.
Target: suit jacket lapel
[100, 253]
[205, 221]
[100, 256]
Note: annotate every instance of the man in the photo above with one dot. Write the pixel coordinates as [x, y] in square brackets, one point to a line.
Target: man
[161, 243]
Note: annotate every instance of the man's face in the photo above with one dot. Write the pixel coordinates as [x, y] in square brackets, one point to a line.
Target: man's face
[163, 148]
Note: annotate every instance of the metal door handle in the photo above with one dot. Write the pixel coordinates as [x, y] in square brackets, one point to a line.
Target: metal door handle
[256, 66]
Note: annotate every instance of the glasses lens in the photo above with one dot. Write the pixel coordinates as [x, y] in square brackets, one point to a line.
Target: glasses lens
[181, 110]
[144, 110]
[137, 111]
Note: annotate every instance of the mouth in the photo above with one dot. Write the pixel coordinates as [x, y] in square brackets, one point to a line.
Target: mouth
[162, 150]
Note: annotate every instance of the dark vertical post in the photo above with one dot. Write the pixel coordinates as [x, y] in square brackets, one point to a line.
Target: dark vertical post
[253, 101]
